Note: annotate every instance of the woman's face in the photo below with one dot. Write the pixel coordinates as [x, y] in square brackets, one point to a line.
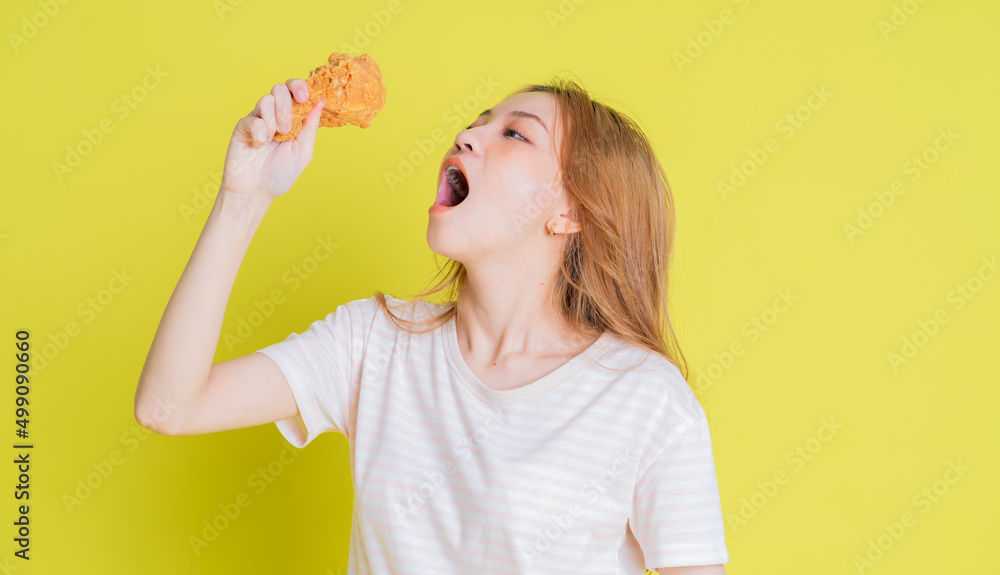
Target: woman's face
[510, 164]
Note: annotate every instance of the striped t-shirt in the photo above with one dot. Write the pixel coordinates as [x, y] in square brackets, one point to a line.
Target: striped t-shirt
[585, 470]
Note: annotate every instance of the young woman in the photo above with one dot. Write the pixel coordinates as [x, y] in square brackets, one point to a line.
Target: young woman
[537, 421]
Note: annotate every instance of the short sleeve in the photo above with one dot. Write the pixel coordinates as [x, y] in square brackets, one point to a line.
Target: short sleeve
[320, 365]
[676, 512]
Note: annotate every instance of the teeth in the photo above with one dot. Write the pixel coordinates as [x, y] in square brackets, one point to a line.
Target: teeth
[452, 174]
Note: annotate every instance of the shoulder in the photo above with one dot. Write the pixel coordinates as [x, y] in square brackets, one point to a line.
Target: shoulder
[656, 406]
[406, 309]
[360, 315]
[370, 307]
[649, 387]
[652, 375]
[374, 315]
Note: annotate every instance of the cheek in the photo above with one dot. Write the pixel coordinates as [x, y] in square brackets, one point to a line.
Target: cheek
[546, 195]
[508, 189]
[540, 194]
[520, 193]
[525, 199]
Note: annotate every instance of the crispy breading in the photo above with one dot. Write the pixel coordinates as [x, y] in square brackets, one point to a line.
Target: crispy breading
[353, 89]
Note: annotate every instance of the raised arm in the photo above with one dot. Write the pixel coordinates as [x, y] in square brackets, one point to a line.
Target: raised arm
[180, 391]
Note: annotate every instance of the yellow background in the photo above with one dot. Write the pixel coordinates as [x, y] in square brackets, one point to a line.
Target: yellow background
[825, 357]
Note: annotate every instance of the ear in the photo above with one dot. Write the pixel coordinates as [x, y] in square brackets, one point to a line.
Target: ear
[572, 221]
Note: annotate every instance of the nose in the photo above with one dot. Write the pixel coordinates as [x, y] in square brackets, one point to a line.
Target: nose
[468, 140]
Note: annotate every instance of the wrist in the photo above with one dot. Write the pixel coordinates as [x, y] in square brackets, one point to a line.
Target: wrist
[248, 210]
[243, 202]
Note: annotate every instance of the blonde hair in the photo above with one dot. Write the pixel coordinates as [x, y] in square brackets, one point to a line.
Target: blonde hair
[614, 270]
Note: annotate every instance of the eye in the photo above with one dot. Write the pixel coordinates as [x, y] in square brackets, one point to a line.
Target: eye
[513, 131]
[507, 131]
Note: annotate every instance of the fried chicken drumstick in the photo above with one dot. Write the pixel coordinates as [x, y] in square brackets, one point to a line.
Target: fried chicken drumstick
[353, 89]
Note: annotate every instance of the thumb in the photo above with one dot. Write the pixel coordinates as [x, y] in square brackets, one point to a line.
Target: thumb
[307, 135]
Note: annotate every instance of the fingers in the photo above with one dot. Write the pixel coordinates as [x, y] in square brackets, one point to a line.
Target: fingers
[282, 107]
[273, 112]
[299, 88]
[253, 129]
[307, 135]
[265, 111]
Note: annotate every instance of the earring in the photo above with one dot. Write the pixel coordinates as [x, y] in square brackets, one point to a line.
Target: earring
[552, 229]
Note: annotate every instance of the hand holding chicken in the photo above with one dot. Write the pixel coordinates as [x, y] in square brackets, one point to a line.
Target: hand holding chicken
[353, 90]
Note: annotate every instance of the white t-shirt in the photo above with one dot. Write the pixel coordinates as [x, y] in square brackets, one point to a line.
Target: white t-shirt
[586, 470]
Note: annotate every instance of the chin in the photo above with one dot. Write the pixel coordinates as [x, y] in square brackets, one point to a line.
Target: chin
[439, 245]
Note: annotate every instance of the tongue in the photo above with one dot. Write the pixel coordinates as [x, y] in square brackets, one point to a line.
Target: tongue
[446, 195]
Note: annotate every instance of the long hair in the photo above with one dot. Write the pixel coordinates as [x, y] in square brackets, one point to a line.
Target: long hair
[614, 269]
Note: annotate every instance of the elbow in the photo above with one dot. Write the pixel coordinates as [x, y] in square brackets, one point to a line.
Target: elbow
[159, 416]
[151, 423]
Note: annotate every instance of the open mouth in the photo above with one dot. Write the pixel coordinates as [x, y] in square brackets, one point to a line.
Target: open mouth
[453, 187]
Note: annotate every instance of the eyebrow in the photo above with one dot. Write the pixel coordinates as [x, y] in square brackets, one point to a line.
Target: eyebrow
[518, 114]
